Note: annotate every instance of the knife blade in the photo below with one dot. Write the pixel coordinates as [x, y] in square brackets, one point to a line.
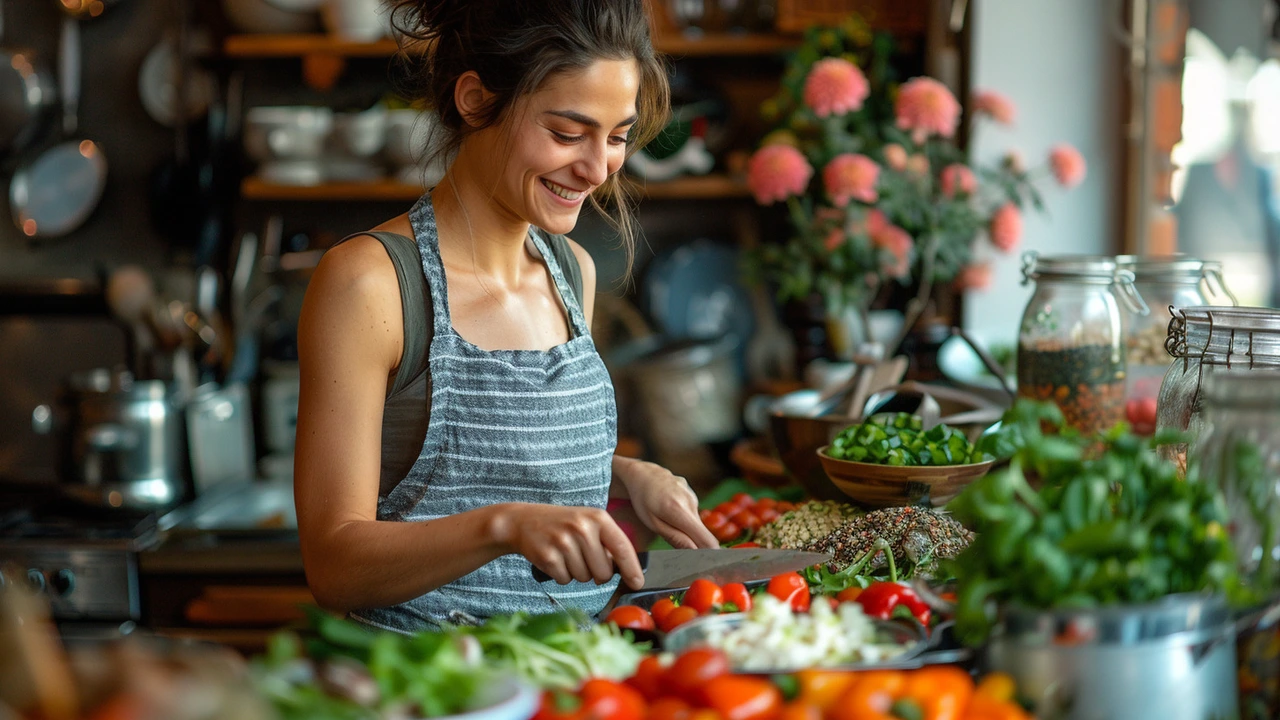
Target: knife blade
[679, 568]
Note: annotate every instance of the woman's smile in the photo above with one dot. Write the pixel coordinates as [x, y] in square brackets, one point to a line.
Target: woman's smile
[567, 195]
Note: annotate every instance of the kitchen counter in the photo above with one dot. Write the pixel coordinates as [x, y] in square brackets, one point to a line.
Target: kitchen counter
[211, 552]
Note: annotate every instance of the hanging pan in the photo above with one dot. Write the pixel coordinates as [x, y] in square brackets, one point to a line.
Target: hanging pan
[55, 191]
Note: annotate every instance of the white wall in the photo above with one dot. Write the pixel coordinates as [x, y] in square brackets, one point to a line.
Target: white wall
[1059, 62]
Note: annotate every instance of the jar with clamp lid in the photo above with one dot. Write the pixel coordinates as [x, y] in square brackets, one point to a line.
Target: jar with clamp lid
[1208, 340]
[1174, 281]
[1071, 340]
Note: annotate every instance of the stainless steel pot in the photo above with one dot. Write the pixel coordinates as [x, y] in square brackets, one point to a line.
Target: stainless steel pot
[688, 390]
[1175, 658]
[120, 441]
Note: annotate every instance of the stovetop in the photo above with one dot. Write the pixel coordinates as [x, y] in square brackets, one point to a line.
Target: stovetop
[45, 517]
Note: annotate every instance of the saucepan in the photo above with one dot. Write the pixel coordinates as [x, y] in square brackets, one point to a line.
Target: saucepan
[55, 191]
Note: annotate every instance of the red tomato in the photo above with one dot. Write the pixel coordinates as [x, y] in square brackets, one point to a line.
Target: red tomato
[746, 519]
[766, 502]
[727, 508]
[662, 609]
[703, 595]
[1141, 413]
[742, 500]
[768, 515]
[648, 677]
[739, 697]
[669, 708]
[703, 513]
[689, 674]
[792, 589]
[746, 545]
[608, 700]
[715, 519]
[849, 594]
[678, 617]
[558, 705]
[631, 617]
[727, 532]
[736, 593]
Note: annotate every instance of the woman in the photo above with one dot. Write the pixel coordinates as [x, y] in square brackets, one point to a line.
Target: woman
[540, 101]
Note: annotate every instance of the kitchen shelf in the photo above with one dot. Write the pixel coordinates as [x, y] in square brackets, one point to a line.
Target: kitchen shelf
[705, 187]
[285, 46]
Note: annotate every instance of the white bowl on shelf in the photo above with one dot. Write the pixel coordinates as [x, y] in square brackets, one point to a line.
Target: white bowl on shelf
[360, 134]
[286, 132]
[357, 20]
[408, 133]
[273, 16]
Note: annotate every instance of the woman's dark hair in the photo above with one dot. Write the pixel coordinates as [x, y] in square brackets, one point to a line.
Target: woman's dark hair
[517, 45]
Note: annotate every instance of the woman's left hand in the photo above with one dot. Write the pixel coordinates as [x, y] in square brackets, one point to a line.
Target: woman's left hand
[665, 503]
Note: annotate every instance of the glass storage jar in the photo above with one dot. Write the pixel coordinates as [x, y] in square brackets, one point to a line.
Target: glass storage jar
[1205, 341]
[1071, 341]
[1174, 281]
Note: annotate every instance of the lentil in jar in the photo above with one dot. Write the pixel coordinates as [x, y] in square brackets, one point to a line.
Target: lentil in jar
[1086, 382]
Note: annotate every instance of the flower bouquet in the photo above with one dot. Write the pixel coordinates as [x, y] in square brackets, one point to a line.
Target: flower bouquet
[876, 187]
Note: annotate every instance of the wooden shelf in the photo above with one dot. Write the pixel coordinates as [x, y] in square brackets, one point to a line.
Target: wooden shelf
[286, 46]
[706, 187]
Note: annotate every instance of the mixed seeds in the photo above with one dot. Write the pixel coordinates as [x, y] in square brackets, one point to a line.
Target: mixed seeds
[917, 536]
[1085, 382]
[809, 522]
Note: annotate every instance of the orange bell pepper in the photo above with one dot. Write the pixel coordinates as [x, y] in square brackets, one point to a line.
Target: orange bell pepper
[997, 686]
[796, 710]
[941, 691]
[985, 707]
[870, 696]
[822, 688]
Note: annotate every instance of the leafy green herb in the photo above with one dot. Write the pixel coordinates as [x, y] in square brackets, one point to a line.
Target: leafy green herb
[1111, 523]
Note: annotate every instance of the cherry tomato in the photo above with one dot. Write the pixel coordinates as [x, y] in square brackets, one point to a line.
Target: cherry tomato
[766, 502]
[689, 674]
[727, 532]
[727, 508]
[608, 700]
[631, 617]
[746, 545]
[703, 513]
[768, 515]
[746, 519]
[739, 697]
[678, 617]
[737, 595]
[662, 609]
[715, 519]
[849, 594]
[792, 589]
[703, 595]
[742, 500]
[648, 677]
[669, 708]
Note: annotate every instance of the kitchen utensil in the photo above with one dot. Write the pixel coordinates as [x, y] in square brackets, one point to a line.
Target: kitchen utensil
[1172, 658]
[27, 94]
[904, 400]
[882, 486]
[687, 389]
[909, 636]
[220, 436]
[679, 568]
[162, 77]
[57, 190]
[999, 374]
[120, 440]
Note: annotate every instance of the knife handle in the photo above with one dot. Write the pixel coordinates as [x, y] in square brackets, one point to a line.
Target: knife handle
[539, 576]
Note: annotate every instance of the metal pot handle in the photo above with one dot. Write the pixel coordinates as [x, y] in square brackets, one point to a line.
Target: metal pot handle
[111, 437]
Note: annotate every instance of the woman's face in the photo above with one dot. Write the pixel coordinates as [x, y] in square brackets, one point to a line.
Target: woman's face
[563, 141]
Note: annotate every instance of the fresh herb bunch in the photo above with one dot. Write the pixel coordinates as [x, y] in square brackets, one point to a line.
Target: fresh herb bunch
[1112, 523]
[900, 440]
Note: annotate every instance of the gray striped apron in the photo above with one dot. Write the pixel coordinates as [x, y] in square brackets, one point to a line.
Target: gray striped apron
[526, 426]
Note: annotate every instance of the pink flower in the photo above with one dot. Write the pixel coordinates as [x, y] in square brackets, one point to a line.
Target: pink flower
[926, 107]
[918, 165]
[1006, 227]
[999, 107]
[851, 177]
[975, 277]
[898, 242]
[876, 221]
[777, 172]
[895, 156]
[958, 178]
[835, 239]
[835, 86]
[1067, 165]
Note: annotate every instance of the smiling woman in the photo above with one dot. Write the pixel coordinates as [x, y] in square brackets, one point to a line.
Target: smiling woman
[456, 424]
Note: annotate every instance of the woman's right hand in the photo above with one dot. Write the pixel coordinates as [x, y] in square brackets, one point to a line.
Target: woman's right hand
[570, 543]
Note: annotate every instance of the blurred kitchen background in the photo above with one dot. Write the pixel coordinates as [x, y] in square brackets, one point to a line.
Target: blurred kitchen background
[174, 240]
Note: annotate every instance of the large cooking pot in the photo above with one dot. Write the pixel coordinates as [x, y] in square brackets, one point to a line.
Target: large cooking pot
[120, 441]
[1175, 658]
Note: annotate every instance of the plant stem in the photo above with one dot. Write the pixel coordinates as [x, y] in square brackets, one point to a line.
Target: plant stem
[916, 306]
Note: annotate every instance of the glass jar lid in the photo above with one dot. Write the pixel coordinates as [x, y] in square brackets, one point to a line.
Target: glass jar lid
[1177, 270]
[1101, 270]
[1244, 336]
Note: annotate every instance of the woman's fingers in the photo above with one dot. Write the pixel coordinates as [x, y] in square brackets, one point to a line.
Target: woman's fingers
[619, 546]
[679, 540]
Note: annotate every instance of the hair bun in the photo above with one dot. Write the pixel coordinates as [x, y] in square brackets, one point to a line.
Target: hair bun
[425, 19]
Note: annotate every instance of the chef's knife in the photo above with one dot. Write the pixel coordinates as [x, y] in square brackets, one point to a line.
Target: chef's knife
[679, 568]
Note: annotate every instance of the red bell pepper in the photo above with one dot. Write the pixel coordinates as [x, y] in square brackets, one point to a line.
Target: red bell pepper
[879, 600]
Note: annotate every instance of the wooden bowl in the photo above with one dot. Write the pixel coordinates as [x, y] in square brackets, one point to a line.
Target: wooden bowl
[894, 485]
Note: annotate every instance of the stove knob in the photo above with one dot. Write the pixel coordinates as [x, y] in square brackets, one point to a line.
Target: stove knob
[35, 579]
[64, 581]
